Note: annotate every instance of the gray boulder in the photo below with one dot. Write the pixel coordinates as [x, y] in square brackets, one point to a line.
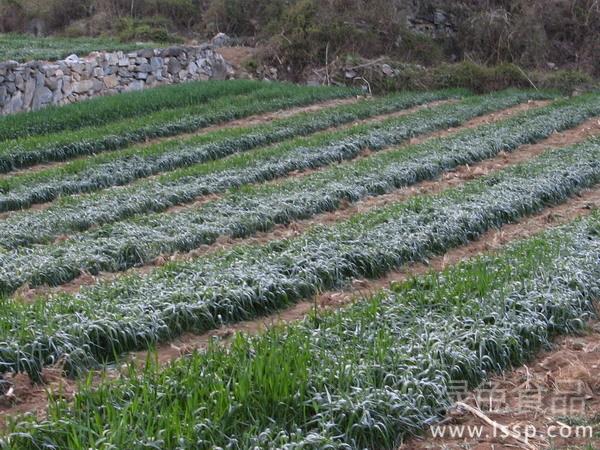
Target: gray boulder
[221, 40]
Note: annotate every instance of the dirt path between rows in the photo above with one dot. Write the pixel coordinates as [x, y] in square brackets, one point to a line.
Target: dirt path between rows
[449, 179]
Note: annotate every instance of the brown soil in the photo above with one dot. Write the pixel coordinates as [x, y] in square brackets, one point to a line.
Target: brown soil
[237, 56]
[27, 397]
[558, 390]
[450, 179]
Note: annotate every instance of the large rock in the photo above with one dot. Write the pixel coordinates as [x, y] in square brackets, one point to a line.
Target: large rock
[67, 86]
[20, 81]
[97, 86]
[220, 70]
[173, 66]
[144, 67]
[135, 86]
[41, 97]
[172, 52]
[192, 68]
[221, 40]
[112, 59]
[146, 53]
[52, 83]
[111, 82]
[387, 70]
[29, 91]
[83, 86]
[77, 67]
[3, 95]
[156, 63]
[15, 104]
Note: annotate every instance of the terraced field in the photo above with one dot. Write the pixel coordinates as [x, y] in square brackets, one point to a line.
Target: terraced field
[169, 219]
[25, 47]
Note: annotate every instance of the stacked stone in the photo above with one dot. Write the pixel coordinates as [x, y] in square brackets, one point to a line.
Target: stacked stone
[33, 85]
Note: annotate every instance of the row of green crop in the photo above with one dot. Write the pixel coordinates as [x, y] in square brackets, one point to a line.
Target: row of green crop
[103, 110]
[243, 212]
[124, 167]
[187, 184]
[135, 311]
[364, 377]
[26, 47]
[170, 122]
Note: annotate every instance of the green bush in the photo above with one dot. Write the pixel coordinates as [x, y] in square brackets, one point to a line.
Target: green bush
[565, 80]
[477, 77]
[418, 48]
[301, 41]
[151, 29]
[180, 13]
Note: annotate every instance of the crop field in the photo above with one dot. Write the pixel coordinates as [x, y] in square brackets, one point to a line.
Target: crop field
[21, 47]
[191, 212]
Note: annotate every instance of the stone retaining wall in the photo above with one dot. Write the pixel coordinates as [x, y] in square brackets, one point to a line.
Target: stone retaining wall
[33, 85]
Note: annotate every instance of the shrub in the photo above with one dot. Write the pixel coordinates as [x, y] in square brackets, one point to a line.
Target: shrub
[151, 29]
[417, 48]
[476, 77]
[565, 80]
